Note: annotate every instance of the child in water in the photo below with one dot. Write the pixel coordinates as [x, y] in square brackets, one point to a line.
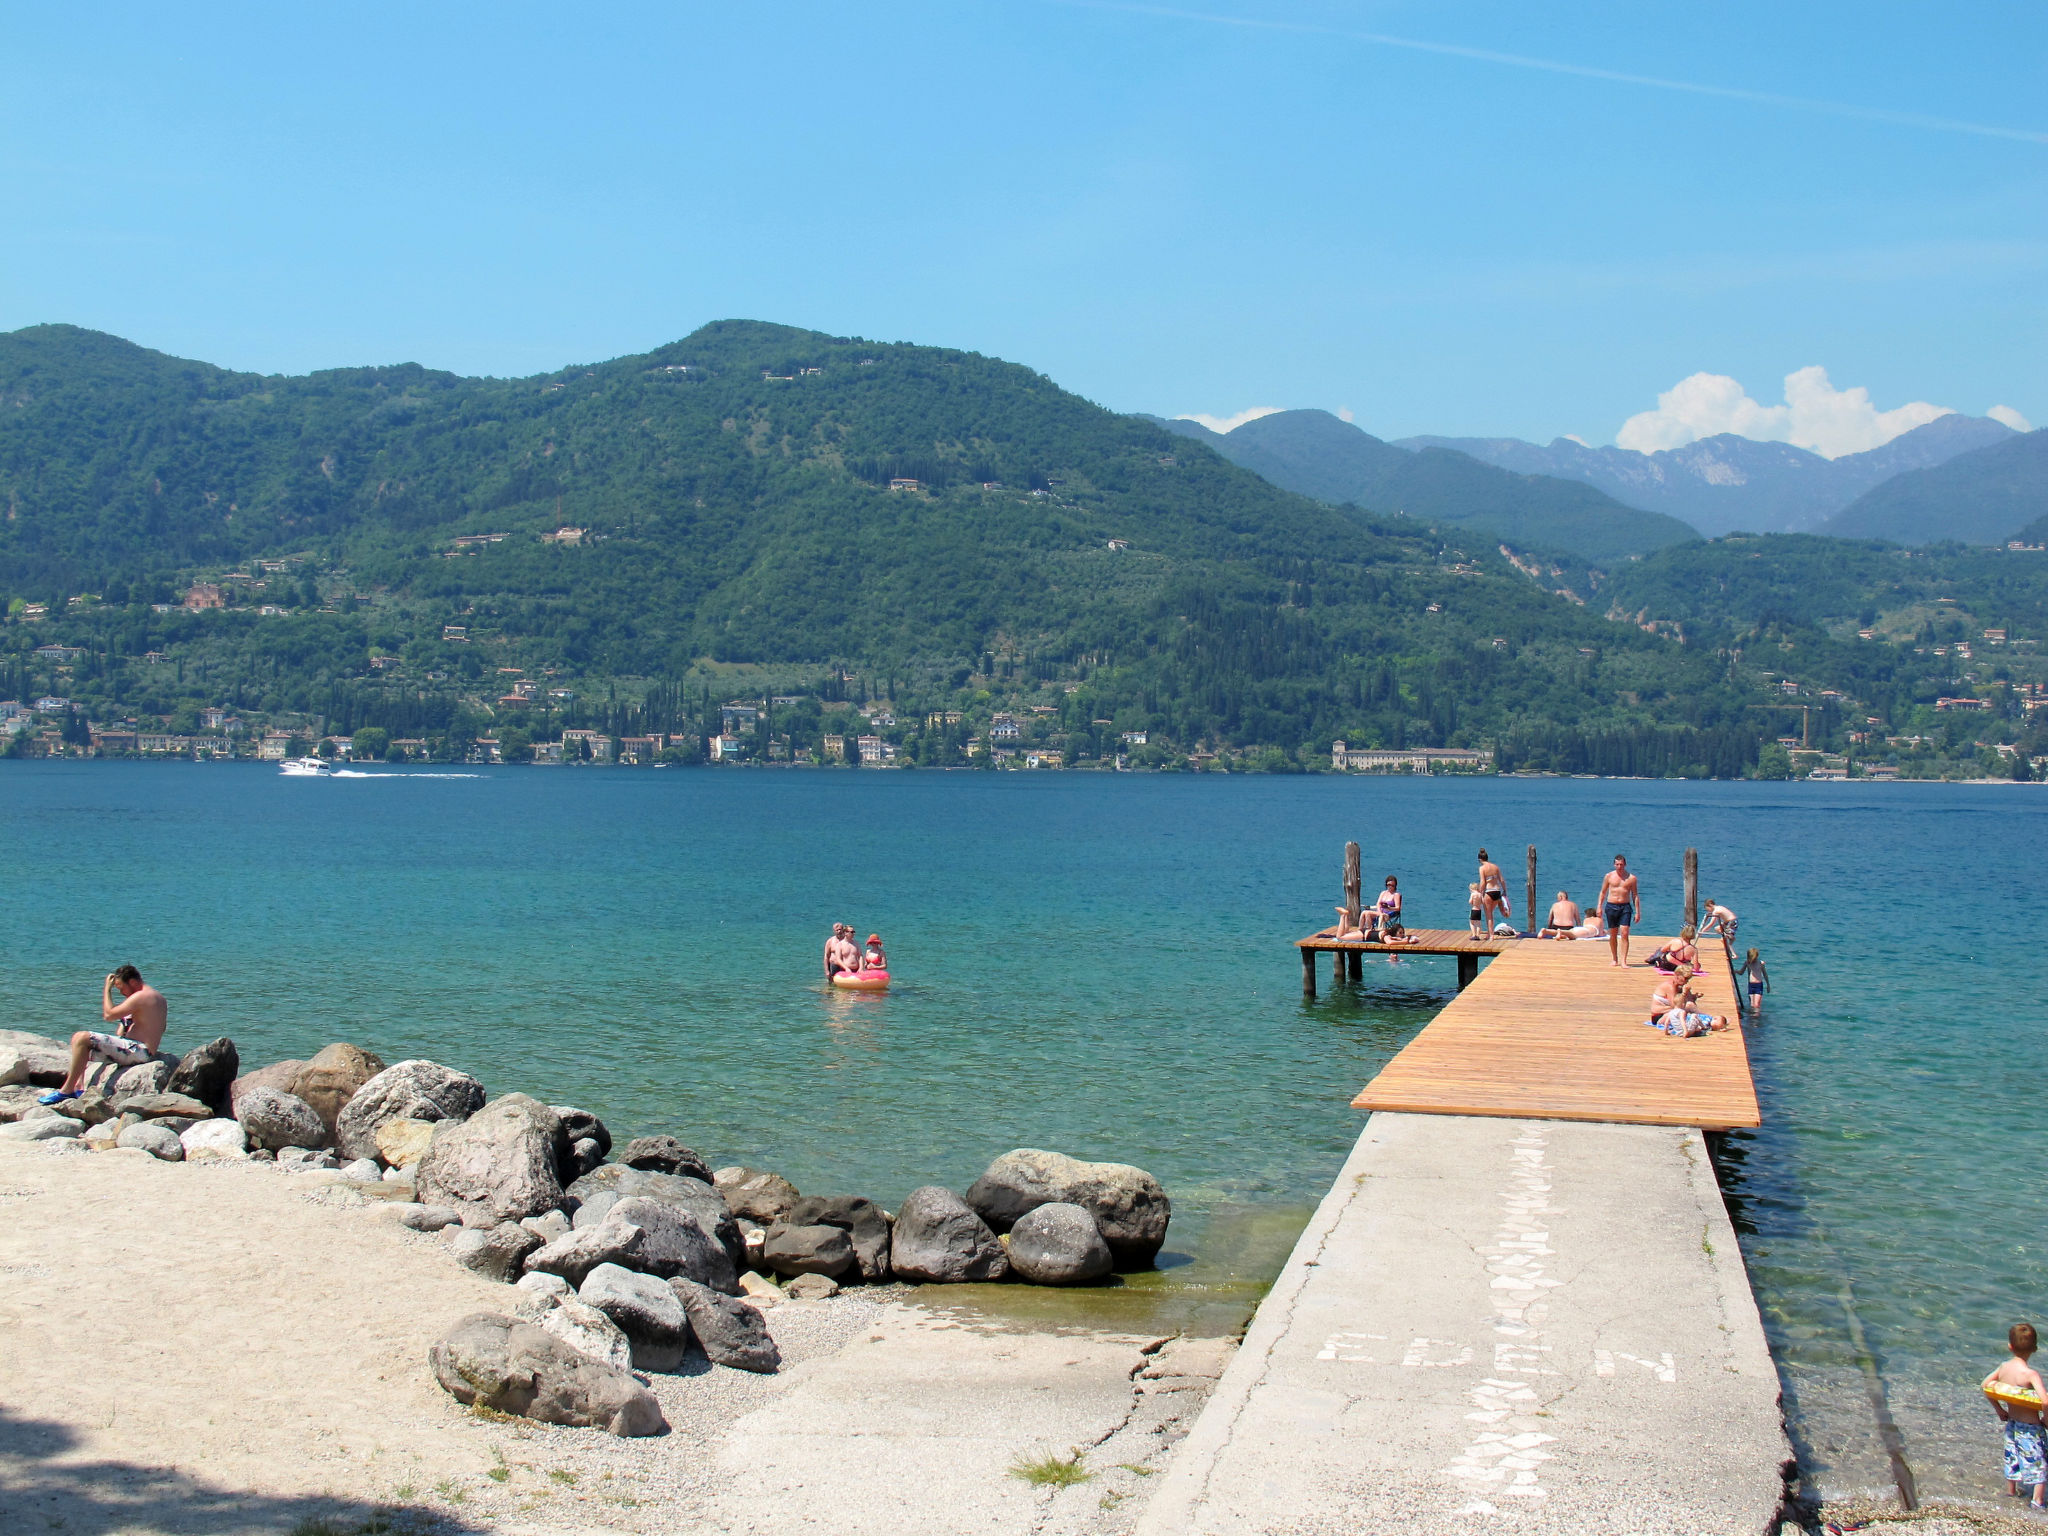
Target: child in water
[1758, 978]
[2026, 1455]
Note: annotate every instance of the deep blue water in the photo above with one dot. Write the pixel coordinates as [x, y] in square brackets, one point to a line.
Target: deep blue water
[1102, 965]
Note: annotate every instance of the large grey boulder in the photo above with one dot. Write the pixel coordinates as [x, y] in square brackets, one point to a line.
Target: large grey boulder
[1129, 1207]
[817, 1250]
[1059, 1244]
[163, 1106]
[141, 1080]
[516, 1367]
[576, 1255]
[597, 1192]
[213, 1138]
[335, 1075]
[275, 1119]
[589, 1141]
[939, 1239]
[755, 1193]
[502, 1161]
[862, 1221]
[496, 1253]
[730, 1331]
[17, 1099]
[207, 1073]
[664, 1154]
[649, 1314]
[408, 1090]
[90, 1107]
[278, 1075]
[158, 1141]
[676, 1244]
[583, 1328]
[34, 1060]
[50, 1128]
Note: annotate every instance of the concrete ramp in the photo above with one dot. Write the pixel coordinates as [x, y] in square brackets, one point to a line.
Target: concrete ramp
[1497, 1325]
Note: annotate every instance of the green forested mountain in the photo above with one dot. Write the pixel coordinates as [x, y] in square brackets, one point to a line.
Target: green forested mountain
[738, 531]
[1318, 455]
[1986, 496]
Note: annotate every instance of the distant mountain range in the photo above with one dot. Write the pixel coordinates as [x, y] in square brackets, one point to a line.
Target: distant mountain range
[1314, 454]
[1728, 484]
[1986, 497]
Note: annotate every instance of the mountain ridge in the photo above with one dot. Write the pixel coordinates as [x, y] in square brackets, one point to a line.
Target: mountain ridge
[1726, 483]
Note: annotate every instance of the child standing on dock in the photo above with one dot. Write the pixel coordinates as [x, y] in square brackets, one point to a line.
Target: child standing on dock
[1758, 978]
[2026, 1454]
[1477, 911]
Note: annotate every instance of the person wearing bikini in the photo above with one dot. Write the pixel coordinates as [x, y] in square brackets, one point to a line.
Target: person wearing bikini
[1620, 908]
[2026, 1451]
[1493, 892]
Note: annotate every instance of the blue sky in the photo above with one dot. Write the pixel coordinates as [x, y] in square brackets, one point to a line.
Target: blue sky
[1197, 208]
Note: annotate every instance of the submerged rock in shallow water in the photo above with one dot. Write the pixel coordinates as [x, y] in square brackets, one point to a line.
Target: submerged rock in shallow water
[1059, 1244]
[938, 1238]
[1130, 1209]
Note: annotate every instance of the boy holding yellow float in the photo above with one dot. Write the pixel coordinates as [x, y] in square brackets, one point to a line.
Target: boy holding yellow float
[2016, 1393]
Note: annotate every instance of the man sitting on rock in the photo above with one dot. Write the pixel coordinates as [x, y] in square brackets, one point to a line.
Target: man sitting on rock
[142, 1013]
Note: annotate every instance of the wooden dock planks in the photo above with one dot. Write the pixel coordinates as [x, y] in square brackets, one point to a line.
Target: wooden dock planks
[1428, 941]
[1553, 1031]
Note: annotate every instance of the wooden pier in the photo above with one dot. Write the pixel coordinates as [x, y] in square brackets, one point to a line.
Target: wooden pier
[1349, 954]
[1553, 1031]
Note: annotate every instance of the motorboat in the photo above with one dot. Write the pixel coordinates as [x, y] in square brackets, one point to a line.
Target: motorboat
[306, 767]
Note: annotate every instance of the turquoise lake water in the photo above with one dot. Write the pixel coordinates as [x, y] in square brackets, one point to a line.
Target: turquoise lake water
[1102, 965]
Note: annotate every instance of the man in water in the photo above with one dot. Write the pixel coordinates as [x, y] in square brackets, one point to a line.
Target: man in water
[842, 955]
[141, 1014]
[1620, 907]
[1493, 892]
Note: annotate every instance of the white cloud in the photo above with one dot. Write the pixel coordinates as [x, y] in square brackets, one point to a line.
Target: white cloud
[2010, 417]
[1230, 423]
[1815, 415]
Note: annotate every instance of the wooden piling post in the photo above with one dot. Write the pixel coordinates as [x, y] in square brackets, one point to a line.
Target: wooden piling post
[1529, 923]
[1354, 887]
[1692, 887]
[1468, 971]
[1354, 965]
[1308, 972]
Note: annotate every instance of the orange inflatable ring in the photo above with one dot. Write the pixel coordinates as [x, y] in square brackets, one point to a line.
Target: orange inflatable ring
[862, 981]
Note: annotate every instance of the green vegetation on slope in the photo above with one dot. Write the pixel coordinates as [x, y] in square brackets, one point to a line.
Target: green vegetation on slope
[1986, 496]
[739, 532]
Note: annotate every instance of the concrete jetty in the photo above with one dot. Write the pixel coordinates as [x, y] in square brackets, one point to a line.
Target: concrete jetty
[1498, 1324]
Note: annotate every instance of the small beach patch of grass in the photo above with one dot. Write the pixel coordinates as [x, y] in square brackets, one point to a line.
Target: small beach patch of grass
[1050, 1471]
[562, 1476]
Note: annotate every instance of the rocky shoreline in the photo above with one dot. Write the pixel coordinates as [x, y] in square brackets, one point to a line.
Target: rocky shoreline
[612, 1265]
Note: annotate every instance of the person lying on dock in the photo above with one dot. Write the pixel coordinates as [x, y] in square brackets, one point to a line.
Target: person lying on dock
[1564, 917]
[2026, 1453]
[1672, 1010]
[1366, 931]
[141, 1013]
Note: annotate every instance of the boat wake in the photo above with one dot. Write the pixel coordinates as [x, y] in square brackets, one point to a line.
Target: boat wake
[357, 773]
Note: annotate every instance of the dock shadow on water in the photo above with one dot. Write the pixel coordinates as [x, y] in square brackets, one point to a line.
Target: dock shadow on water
[1206, 1286]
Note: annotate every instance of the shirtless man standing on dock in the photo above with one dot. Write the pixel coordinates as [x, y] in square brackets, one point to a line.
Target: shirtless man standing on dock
[1620, 906]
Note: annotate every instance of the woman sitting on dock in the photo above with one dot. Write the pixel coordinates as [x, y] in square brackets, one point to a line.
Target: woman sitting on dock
[1672, 956]
[1671, 1007]
[1388, 910]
